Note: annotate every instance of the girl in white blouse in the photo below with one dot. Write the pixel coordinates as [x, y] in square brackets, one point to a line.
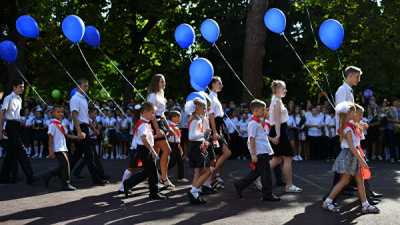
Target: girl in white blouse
[160, 125]
[279, 138]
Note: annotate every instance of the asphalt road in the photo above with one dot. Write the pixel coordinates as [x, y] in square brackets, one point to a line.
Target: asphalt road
[22, 204]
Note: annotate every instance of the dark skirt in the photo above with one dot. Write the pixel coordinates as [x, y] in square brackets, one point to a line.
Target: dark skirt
[162, 124]
[197, 158]
[283, 148]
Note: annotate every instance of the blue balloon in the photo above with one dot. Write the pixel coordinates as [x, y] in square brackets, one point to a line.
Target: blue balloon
[331, 33]
[73, 92]
[197, 87]
[210, 30]
[184, 35]
[92, 36]
[194, 95]
[8, 51]
[73, 28]
[275, 20]
[27, 26]
[201, 72]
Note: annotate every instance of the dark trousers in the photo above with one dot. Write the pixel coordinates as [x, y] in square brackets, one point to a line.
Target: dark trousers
[96, 159]
[63, 169]
[176, 159]
[149, 171]
[15, 153]
[315, 147]
[262, 169]
[83, 148]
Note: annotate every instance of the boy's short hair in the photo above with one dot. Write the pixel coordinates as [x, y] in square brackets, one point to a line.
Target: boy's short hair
[55, 107]
[352, 69]
[147, 107]
[256, 104]
[173, 114]
[82, 80]
[16, 82]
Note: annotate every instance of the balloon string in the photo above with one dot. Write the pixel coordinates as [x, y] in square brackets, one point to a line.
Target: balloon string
[70, 76]
[233, 71]
[311, 26]
[33, 88]
[329, 86]
[340, 65]
[307, 69]
[98, 81]
[120, 72]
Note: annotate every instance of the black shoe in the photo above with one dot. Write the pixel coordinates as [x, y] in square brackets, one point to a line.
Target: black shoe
[195, 201]
[238, 190]
[271, 198]
[207, 190]
[157, 196]
[69, 187]
[375, 194]
[126, 189]
[373, 201]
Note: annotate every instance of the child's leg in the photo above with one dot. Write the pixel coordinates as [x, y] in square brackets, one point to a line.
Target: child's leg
[204, 173]
[63, 170]
[361, 188]
[226, 153]
[166, 151]
[344, 180]
[265, 171]
[180, 165]
[127, 174]
[275, 162]
[287, 170]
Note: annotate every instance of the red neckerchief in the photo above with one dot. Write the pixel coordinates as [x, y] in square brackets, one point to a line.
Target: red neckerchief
[176, 130]
[354, 128]
[138, 124]
[58, 124]
[258, 120]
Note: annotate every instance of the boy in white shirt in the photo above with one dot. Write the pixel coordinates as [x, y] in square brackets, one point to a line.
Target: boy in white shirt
[143, 145]
[58, 150]
[315, 124]
[260, 151]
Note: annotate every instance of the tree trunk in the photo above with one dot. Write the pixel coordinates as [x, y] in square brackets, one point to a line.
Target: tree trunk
[254, 49]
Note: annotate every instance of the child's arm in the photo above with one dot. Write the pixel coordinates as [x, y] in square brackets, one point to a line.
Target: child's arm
[253, 150]
[354, 150]
[51, 150]
[149, 147]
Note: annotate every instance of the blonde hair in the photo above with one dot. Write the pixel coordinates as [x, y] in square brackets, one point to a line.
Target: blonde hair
[343, 120]
[359, 108]
[276, 84]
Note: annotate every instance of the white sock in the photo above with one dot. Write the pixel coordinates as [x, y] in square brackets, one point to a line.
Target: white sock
[195, 192]
[328, 200]
[125, 176]
[365, 204]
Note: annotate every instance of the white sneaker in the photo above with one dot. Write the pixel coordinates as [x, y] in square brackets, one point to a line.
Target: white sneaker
[373, 157]
[34, 156]
[167, 184]
[295, 158]
[293, 189]
[330, 207]
[183, 180]
[370, 209]
[380, 158]
[300, 158]
[105, 156]
[112, 157]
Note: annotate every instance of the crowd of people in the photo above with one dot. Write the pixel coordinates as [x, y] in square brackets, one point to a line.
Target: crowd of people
[311, 125]
[203, 133]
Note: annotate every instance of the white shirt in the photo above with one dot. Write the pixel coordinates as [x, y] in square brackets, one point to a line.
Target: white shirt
[59, 142]
[197, 129]
[216, 106]
[256, 131]
[109, 122]
[315, 121]
[275, 102]
[344, 93]
[143, 130]
[243, 128]
[356, 140]
[176, 136]
[79, 104]
[66, 124]
[294, 121]
[12, 106]
[231, 124]
[329, 122]
[159, 102]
